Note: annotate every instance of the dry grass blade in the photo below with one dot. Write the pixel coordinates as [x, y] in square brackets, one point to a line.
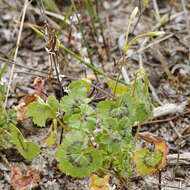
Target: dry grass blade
[16, 51]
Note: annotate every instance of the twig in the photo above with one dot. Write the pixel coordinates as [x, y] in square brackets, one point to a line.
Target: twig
[85, 41]
[177, 160]
[156, 9]
[164, 66]
[186, 14]
[183, 158]
[139, 17]
[106, 45]
[160, 180]
[155, 96]
[154, 43]
[29, 73]
[165, 120]
[162, 185]
[70, 52]
[187, 20]
[174, 128]
[49, 13]
[167, 109]
[140, 62]
[16, 51]
[20, 65]
[125, 74]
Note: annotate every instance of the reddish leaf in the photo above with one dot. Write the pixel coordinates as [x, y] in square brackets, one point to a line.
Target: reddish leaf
[160, 143]
[39, 85]
[30, 98]
[23, 182]
[22, 107]
[151, 138]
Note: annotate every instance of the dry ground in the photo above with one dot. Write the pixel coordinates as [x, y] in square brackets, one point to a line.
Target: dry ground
[166, 59]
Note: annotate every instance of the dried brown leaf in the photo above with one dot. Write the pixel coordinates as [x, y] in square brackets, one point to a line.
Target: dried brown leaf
[23, 182]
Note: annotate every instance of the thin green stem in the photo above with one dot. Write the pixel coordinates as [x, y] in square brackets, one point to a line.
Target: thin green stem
[85, 41]
[70, 52]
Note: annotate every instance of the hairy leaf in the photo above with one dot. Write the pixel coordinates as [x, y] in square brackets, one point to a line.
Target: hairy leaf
[28, 149]
[7, 117]
[75, 157]
[80, 84]
[104, 108]
[85, 120]
[41, 111]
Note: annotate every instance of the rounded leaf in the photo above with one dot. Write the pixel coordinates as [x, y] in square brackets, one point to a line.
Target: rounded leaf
[75, 157]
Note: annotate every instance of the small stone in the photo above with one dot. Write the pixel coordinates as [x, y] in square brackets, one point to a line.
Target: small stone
[180, 173]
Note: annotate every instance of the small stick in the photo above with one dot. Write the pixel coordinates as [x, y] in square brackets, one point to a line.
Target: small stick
[143, 48]
[156, 9]
[165, 120]
[177, 162]
[20, 65]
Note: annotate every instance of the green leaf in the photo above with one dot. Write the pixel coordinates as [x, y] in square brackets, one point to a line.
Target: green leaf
[6, 118]
[119, 90]
[85, 120]
[5, 139]
[41, 111]
[112, 141]
[137, 100]
[79, 84]
[122, 163]
[75, 157]
[68, 104]
[82, 122]
[53, 103]
[119, 112]
[134, 13]
[28, 149]
[163, 20]
[51, 138]
[71, 103]
[110, 124]
[86, 109]
[104, 108]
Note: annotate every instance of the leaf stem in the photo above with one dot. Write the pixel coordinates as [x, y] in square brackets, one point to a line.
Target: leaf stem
[70, 52]
[137, 134]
